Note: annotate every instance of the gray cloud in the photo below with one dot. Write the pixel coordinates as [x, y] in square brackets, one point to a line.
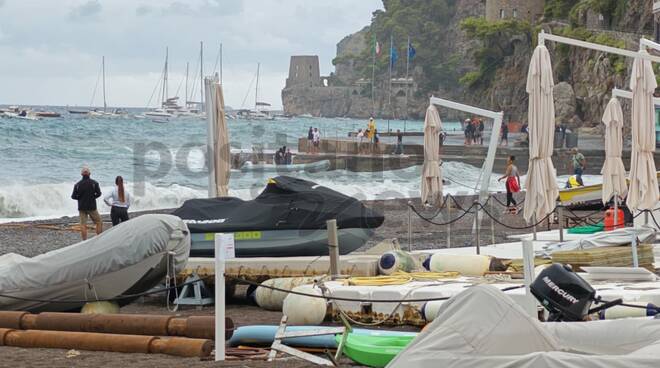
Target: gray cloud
[86, 10]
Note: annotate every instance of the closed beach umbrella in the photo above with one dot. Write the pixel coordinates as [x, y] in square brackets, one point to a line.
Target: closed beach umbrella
[541, 184]
[431, 172]
[643, 193]
[614, 174]
[220, 155]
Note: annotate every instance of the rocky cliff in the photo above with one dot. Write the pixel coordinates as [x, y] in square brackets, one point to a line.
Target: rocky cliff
[583, 78]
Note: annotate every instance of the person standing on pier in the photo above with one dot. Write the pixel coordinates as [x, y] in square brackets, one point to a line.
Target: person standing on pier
[505, 135]
[360, 138]
[316, 140]
[85, 192]
[310, 138]
[399, 143]
[512, 184]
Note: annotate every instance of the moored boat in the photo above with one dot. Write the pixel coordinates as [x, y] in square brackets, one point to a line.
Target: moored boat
[129, 258]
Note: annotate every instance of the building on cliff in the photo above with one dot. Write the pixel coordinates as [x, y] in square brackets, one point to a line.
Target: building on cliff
[344, 92]
[529, 10]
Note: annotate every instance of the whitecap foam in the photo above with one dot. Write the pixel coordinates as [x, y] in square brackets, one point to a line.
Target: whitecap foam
[20, 202]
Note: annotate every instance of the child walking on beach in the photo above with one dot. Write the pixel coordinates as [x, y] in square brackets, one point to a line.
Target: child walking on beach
[119, 200]
[512, 183]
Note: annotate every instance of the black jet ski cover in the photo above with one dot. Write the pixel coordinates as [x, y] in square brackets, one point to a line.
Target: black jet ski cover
[285, 204]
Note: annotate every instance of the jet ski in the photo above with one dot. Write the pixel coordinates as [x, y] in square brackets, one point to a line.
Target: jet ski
[287, 219]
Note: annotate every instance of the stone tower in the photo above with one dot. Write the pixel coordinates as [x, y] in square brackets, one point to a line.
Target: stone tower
[304, 72]
[529, 10]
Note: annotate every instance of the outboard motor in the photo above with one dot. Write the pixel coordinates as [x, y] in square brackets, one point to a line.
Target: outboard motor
[563, 293]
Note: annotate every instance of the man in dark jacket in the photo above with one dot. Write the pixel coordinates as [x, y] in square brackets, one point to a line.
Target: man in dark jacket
[85, 192]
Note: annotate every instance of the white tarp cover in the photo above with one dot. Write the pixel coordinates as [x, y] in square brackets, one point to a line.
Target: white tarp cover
[123, 246]
[483, 327]
[612, 238]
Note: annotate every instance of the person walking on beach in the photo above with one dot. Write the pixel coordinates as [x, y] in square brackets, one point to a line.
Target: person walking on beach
[480, 129]
[371, 129]
[579, 163]
[310, 138]
[85, 192]
[512, 184]
[119, 200]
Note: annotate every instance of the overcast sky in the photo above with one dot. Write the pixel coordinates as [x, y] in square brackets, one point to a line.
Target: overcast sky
[51, 50]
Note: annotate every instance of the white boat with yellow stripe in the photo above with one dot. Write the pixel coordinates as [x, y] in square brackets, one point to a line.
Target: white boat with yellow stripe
[584, 196]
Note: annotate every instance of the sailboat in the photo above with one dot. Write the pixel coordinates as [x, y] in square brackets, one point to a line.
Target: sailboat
[96, 111]
[258, 113]
[161, 113]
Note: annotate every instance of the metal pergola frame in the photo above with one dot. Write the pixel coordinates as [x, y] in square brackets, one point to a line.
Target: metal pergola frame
[497, 117]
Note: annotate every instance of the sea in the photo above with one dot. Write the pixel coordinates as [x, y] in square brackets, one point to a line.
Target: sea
[164, 164]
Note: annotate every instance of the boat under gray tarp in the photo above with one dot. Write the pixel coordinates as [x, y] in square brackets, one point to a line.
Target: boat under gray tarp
[128, 259]
[484, 327]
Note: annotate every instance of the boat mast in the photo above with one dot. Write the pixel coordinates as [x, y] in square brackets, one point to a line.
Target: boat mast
[105, 105]
[165, 77]
[256, 90]
[186, 98]
[201, 75]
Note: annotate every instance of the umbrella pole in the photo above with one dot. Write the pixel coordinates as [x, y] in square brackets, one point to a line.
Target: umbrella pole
[409, 227]
[476, 225]
[616, 210]
[534, 222]
[560, 221]
[492, 223]
[448, 222]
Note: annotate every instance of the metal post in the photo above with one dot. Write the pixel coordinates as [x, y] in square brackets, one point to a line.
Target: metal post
[476, 225]
[633, 245]
[616, 210]
[409, 226]
[448, 222]
[333, 248]
[560, 220]
[646, 217]
[492, 222]
[534, 222]
[528, 272]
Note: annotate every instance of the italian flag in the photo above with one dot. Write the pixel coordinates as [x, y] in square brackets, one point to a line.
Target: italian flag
[376, 47]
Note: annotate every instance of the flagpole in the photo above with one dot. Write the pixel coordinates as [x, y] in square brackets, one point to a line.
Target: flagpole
[389, 97]
[373, 77]
[405, 118]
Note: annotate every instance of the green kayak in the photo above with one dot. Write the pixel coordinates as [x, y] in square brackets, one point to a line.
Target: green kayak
[374, 351]
[587, 229]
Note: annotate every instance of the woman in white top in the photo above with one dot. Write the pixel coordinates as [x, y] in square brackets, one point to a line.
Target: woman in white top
[119, 200]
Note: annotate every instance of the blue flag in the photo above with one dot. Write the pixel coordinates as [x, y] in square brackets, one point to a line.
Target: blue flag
[411, 51]
[393, 56]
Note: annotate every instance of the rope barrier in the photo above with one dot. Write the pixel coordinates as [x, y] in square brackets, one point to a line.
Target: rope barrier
[430, 221]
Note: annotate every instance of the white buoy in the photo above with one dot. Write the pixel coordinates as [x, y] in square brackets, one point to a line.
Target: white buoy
[466, 265]
[273, 299]
[430, 309]
[305, 310]
[396, 260]
[100, 308]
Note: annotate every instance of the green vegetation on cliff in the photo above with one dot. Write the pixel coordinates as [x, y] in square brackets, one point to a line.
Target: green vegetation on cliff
[496, 44]
[425, 22]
